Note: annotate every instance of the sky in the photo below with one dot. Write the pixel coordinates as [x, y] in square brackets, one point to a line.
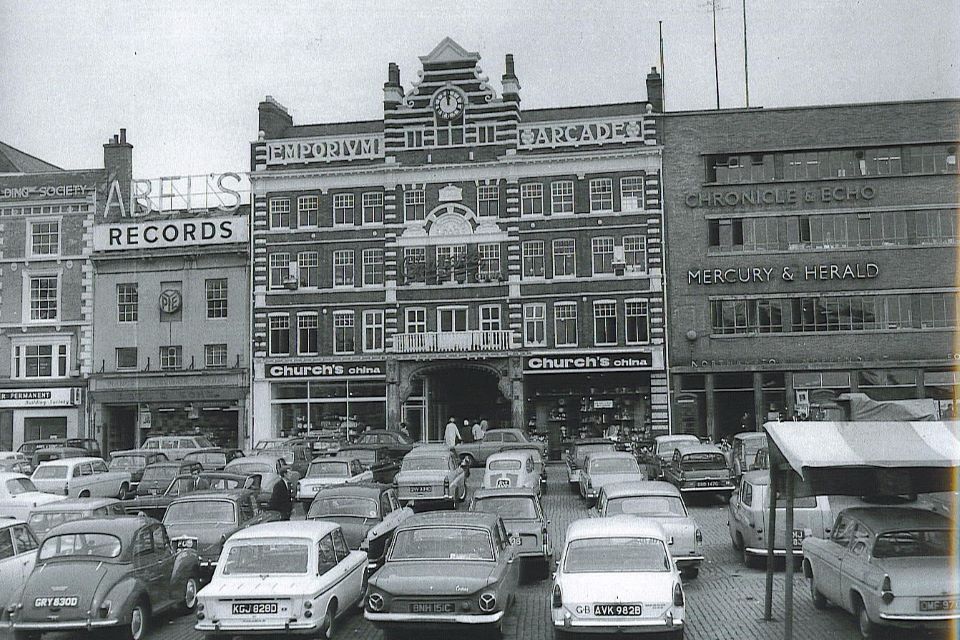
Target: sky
[185, 78]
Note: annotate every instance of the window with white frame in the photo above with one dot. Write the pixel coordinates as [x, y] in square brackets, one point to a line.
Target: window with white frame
[531, 199]
[216, 290]
[488, 200]
[44, 238]
[343, 206]
[44, 296]
[604, 322]
[308, 269]
[414, 262]
[279, 329]
[414, 205]
[308, 333]
[373, 330]
[601, 194]
[489, 268]
[372, 267]
[343, 333]
[451, 319]
[279, 213]
[450, 259]
[561, 196]
[532, 259]
[490, 319]
[415, 320]
[215, 356]
[631, 193]
[279, 269]
[126, 358]
[565, 324]
[171, 357]
[41, 358]
[635, 253]
[308, 211]
[535, 324]
[564, 258]
[637, 321]
[372, 204]
[128, 302]
[602, 255]
[343, 269]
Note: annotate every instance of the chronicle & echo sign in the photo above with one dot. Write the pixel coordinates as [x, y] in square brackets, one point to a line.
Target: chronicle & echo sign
[780, 195]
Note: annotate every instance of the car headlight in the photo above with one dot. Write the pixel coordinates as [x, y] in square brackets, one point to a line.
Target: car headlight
[488, 601]
[699, 536]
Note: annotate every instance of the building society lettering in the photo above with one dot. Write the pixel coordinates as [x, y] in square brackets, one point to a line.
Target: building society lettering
[746, 275]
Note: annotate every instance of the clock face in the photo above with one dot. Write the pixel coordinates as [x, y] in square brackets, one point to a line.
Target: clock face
[448, 104]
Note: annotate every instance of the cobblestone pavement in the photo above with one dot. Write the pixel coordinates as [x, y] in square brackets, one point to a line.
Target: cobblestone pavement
[725, 602]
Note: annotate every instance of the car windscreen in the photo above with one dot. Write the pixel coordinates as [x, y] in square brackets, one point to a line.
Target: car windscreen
[203, 442]
[152, 474]
[207, 458]
[442, 543]
[68, 545]
[46, 520]
[425, 464]
[50, 472]
[365, 456]
[200, 511]
[128, 462]
[252, 467]
[914, 543]
[504, 465]
[646, 506]
[343, 506]
[615, 555]
[329, 469]
[508, 507]
[584, 449]
[614, 465]
[703, 461]
[16, 486]
[667, 448]
[750, 447]
[208, 482]
[256, 557]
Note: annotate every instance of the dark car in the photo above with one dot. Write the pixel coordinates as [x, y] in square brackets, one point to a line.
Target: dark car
[368, 514]
[104, 573]
[325, 442]
[47, 516]
[376, 457]
[214, 459]
[203, 520]
[397, 443]
[155, 506]
[134, 462]
[525, 520]
[296, 457]
[91, 446]
[158, 476]
[578, 451]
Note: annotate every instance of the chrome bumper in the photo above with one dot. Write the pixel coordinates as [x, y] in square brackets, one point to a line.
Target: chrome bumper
[272, 627]
[797, 553]
[915, 618]
[434, 618]
[685, 560]
[65, 625]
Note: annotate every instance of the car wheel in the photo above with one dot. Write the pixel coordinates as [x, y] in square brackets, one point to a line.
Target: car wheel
[136, 627]
[124, 490]
[867, 628]
[189, 601]
[819, 601]
[469, 459]
[84, 494]
[690, 573]
[329, 619]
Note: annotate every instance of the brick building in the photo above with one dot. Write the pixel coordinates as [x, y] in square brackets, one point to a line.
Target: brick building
[811, 252]
[461, 256]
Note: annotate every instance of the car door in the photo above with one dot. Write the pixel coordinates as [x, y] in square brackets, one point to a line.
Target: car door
[508, 554]
[457, 474]
[855, 565]
[827, 571]
[105, 483]
[165, 561]
[83, 478]
[740, 513]
[146, 562]
[25, 545]
[350, 565]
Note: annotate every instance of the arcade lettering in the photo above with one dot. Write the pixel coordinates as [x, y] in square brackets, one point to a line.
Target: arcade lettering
[582, 133]
[749, 275]
[325, 150]
[781, 195]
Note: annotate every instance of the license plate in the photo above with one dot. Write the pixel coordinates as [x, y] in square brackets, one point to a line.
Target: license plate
[420, 489]
[503, 482]
[59, 601]
[603, 610]
[253, 608]
[516, 540]
[185, 543]
[938, 605]
[798, 536]
[431, 607]
[708, 483]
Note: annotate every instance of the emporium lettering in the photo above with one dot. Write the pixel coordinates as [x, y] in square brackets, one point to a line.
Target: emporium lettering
[324, 150]
[786, 196]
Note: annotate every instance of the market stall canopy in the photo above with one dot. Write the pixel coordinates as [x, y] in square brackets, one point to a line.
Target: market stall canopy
[862, 407]
[866, 458]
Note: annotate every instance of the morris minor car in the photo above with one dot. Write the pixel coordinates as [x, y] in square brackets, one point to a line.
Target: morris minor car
[296, 458]
[578, 451]
[269, 469]
[18, 496]
[47, 516]
[105, 573]
[539, 461]
[432, 473]
[81, 478]
[272, 579]
[445, 569]
[325, 472]
[156, 506]
[494, 441]
[514, 468]
[700, 468]
[603, 468]
[524, 519]
[396, 443]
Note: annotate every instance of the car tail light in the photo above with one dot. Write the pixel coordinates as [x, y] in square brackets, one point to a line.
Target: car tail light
[677, 595]
[699, 536]
[307, 605]
[446, 486]
[886, 591]
[488, 601]
[556, 600]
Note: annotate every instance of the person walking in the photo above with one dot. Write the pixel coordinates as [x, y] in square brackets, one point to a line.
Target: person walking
[451, 435]
[477, 431]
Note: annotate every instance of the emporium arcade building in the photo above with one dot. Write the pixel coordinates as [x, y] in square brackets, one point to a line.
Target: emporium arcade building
[460, 257]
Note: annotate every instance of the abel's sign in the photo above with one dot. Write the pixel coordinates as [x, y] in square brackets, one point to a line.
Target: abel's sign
[806, 273]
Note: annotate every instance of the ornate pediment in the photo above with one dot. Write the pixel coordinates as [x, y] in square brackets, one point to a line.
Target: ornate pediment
[451, 193]
[449, 51]
[451, 224]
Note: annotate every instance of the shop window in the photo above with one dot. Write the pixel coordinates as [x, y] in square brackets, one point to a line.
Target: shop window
[128, 302]
[308, 269]
[488, 200]
[308, 211]
[564, 258]
[216, 290]
[533, 259]
[531, 199]
[279, 330]
[215, 356]
[343, 207]
[372, 267]
[44, 239]
[372, 205]
[561, 196]
[601, 195]
[637, 319]
[373, 329]
[171, 358]
[279, 213]
[343, 268]
[565, 324]
[308, 328]
[343, 332]
[41, 359]
[416, 320]
[602, 255]
[414, 205]
[631, 193]
[44, 427]
[605, 322]
[535, 325]
[126, 358]
[279, 265]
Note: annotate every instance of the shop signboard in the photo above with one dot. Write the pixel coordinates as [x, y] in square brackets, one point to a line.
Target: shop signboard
[596, 362]
[330, 369]
[54, 397]
[162, 234]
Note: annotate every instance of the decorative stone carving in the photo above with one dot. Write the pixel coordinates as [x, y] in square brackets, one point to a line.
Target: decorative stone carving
[451, 193]
[451, 224]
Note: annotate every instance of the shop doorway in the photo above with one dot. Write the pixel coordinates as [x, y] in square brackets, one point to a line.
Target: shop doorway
[120, 427]
[465, 393]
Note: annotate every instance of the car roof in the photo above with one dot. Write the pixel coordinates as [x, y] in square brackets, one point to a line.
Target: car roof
[750, 435]
[311, 529]
[367, 446]
[758, 477]
[502, 492]
[511, 454]
[458, 518]
[171, 463]
[69, 461]
[677, 437]
[121, 526]
[134, 452]
[584, 441]
[206, 494]
[390, 431]
[881, 519]
[506, 430]
[601, 455]
[65, 448]
[8, 475]
[257, 458]
[640, 488]
[684, 449]
[613, 527]
[359, 490]
[337, 459]
[75, 504]
[210, 450]
[429, 450]
[9, 522]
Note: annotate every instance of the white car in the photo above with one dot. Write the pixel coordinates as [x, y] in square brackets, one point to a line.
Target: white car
[81, 478]
[18, 496]
[510, 469]
[274, 578]
[18, 552]
[328, 472]
[616, 575]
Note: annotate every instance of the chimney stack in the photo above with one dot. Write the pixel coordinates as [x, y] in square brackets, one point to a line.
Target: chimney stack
[392, 91]
[509, 81]
[274, 118]
[655, 90]
[118, 162]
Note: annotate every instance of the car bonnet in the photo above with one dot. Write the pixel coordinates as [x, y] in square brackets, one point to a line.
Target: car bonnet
[434, 577]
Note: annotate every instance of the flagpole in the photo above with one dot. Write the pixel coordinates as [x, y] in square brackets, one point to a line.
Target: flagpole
[746, 70]
[716, 70]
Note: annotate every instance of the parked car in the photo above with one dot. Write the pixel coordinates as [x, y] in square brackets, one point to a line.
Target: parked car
[157, 476]
[204, 520]
[91, 446]
[525, 521]
[325, 472]
[889, 566]
[81, 478]
[539, 461]
[699, 468]
[14, 455]
[269, 469]
[213, 459]
[580, 449]
[47, 516]
[138, 576]
[514, 468]
[18, 496]
[603, 468]
[748, 512]
[176, 446]
[743, 450]
[18, 552]
[15, 465]
[52, 453]
[277, 443]
[134, 461]
[375, 457]
[155, 506]
[494, 441]
[616, 575]
[659, 502]
[432, 473]
[313, 578]
[324, 442]
[396, 442]
[368, 515]
[296, 458]
[761, 460]
[662, 453]
[445, 568]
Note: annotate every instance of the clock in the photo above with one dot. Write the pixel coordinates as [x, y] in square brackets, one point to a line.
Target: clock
[448, 104]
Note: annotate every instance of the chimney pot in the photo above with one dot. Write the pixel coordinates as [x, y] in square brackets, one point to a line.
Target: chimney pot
[509, 65]
[123, 136]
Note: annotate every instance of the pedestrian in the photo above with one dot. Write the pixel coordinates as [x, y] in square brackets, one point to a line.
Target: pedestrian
[451, 435]
[484, 425]
[745, 422]
[404, 430]
[280, 498]
[477, 431]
